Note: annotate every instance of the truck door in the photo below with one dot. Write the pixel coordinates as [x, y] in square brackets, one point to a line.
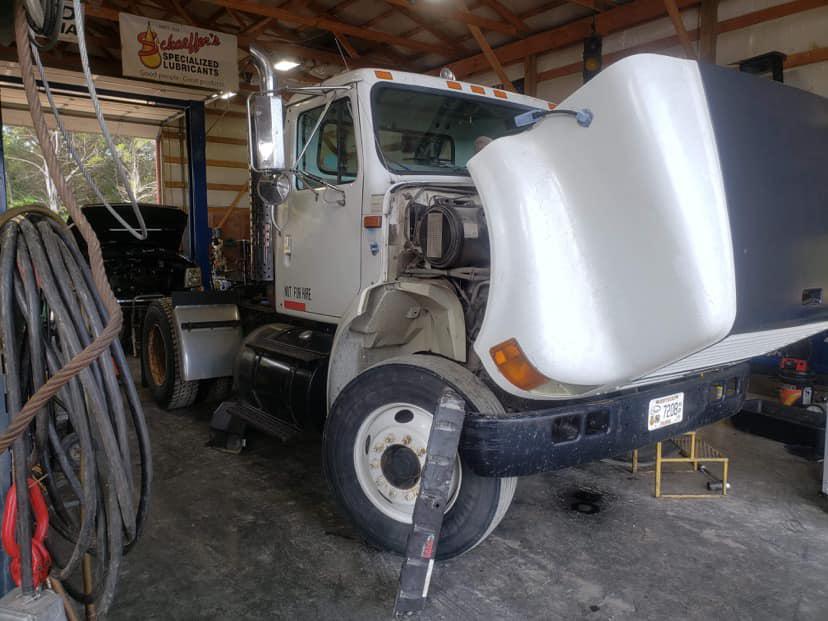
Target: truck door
[318, 258]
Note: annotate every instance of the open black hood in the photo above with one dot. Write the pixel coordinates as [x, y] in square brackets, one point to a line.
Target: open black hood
[165, 225]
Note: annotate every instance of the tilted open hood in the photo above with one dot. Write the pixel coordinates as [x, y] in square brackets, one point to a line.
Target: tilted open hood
[623, 247]
[165, 225]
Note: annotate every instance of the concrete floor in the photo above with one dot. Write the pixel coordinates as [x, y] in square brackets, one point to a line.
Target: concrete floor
[256, 536]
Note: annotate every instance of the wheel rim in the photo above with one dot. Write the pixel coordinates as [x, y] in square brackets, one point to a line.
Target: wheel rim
[389, 454]
[157, 356]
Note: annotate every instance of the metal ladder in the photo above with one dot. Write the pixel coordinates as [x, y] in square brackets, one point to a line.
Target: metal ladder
[429, 508]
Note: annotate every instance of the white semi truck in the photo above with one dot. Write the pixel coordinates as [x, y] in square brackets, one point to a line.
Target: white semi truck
[589, 277]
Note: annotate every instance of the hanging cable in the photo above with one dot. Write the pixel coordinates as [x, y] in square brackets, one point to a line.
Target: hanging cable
[75, 413]
[110, 143]
[70, 146]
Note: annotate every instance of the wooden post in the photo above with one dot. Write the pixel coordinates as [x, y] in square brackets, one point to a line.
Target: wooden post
[708, 30]
[530, 75]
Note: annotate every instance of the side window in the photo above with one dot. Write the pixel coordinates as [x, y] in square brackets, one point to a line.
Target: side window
[332, 153]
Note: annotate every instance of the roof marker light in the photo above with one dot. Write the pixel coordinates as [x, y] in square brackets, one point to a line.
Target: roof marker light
[383, 75]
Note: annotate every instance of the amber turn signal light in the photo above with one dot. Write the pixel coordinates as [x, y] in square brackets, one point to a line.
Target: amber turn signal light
[515, 367]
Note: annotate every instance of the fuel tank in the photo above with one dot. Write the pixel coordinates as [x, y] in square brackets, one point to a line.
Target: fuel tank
[282, 370]
[690, 212]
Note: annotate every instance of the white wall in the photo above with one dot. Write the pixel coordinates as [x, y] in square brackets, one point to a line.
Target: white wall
[792, 34]
[218, 126]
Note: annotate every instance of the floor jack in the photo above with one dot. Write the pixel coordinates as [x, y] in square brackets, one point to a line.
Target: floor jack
[435, 484]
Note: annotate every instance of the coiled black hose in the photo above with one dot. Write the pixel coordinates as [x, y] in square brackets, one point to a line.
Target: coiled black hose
[80, 444]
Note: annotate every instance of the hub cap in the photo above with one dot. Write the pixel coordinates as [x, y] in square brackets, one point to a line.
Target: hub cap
[389, 455]
[157, 356]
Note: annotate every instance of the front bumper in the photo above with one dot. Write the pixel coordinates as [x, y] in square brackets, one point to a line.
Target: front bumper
[523, 443]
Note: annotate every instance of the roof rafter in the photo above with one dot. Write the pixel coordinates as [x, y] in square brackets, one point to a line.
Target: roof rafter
[464, 16]
[637, 12]
[423, 24]
[258, 8]
[506, 14]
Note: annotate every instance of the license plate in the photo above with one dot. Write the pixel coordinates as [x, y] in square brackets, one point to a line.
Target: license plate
[665, 411]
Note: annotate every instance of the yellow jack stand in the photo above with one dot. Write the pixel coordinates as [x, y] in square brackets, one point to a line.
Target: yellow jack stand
[693, 451]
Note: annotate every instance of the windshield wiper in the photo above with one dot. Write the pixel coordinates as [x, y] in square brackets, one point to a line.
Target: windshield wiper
[388, 160]
[440, 164]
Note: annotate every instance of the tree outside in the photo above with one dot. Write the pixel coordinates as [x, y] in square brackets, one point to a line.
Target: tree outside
[29, 182]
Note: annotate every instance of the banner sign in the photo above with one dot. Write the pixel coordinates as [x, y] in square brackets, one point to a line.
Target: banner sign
[167, 52]
[68, 32]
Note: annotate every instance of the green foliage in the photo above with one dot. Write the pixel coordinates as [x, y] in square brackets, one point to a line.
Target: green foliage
[28, 180]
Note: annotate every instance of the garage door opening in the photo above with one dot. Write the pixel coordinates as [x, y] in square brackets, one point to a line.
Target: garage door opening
[29, 182]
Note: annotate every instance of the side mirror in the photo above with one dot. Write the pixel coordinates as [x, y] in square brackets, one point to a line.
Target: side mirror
[265, 128]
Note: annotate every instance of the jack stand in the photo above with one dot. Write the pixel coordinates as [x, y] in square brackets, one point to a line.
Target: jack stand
[429, 509]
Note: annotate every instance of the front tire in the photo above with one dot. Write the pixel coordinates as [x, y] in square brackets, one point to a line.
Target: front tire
[374, 446]
[161, 359]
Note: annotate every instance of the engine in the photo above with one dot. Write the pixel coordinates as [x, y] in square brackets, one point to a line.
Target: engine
[451, 232]
[446, 235]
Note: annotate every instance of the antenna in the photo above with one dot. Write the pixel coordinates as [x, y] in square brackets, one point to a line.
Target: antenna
[341, 53]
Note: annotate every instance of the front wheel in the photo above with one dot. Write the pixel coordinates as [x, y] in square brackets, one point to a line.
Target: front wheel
[375, 444]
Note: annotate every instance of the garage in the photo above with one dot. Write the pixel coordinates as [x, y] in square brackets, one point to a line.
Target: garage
[443, 309]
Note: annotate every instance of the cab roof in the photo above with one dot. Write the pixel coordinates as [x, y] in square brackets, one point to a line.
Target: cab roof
[436, 82]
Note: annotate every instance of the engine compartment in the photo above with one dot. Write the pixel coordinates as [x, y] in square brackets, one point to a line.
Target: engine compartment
[441, 232]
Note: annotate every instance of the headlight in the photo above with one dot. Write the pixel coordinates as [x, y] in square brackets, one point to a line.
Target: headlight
[192, 277]
[273, 189]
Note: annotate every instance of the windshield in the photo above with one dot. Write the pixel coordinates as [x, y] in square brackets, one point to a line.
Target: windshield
[430, 131]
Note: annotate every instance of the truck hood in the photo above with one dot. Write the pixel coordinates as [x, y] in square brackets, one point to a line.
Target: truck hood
[621, 248]
[165, 225]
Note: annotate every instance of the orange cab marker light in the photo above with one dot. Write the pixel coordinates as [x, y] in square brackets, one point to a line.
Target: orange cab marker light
[552, 106]
[454, 85]
[515, 367]
[372, 222]
[501, 94]
[479, 90]
[383, 75]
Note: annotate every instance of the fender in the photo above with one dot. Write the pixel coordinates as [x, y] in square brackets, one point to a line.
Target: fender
[209, 334]
[392, 319]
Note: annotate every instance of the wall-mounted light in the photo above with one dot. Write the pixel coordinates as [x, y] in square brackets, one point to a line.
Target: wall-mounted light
[227, 95]
[285, 65]
[593, 61]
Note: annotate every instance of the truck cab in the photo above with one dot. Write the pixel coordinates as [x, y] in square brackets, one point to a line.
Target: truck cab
[380, 130]
[586, 276]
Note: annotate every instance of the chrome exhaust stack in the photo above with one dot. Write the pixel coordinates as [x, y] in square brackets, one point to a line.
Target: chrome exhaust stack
[265, 126]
